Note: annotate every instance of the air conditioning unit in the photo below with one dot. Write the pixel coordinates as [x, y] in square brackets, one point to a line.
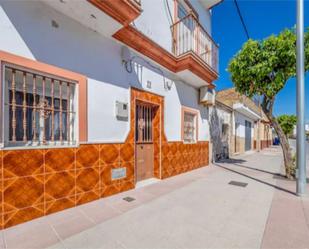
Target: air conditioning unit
[207, 96]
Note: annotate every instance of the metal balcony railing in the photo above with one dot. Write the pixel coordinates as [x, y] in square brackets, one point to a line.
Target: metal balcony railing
[136, 2]
[190, 36]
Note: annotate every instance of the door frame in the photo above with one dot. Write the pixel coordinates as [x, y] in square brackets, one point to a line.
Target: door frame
[158, 112]
[140, 104]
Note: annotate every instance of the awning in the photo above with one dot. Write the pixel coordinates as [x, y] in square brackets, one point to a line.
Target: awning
[241, 108]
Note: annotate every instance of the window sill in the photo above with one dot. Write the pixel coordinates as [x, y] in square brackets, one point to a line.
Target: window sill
[195, 142]
[38, 147]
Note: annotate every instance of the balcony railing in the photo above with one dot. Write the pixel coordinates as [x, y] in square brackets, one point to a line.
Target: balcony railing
[190, 36]
[138, 2]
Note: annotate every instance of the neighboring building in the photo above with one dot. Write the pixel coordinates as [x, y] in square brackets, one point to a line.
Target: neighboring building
[100, 95]
[242, 125]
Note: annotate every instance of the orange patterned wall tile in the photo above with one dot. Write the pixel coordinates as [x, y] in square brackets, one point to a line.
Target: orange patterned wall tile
[1, 199]
[129, 170]
[87, 156]
[59, 159]
[156, 148]
[106, 174]
[87, 197]
[87, 179]
[109, 190]
[59, 204]
[130, 137]
[126, 185]
[178, 158]
[23, 192]
[1, 164]
[109, 153]
[22, 215]
[127, 152]
[22, 163]
[173, 149]
[156, 167]
[59, 185]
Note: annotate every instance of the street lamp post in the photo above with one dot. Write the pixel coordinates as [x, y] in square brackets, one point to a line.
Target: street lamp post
[300, 72]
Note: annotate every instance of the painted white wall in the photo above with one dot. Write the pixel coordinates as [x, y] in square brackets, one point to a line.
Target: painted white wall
[241, 130]
[155, 21]
[77, 48]
[10, 40]
[204, 15]
[224, 115]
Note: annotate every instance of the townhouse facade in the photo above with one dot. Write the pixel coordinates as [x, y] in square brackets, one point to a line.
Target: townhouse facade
[240, 125]
[98, 96]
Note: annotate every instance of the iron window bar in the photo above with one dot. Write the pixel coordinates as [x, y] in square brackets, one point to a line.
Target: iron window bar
[29, 108]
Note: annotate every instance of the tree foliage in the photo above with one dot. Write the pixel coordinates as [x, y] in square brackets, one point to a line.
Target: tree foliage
[262, 67]
[287, 123]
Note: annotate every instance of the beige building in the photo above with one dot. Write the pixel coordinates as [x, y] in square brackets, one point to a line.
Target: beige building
[238, 125]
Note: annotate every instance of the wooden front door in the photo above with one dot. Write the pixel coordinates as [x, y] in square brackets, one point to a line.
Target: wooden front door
[144, 141]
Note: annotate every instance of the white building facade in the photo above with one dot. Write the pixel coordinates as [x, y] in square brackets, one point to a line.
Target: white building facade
[97, 96]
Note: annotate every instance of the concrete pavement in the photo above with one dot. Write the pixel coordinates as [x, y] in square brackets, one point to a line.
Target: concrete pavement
[199, 209]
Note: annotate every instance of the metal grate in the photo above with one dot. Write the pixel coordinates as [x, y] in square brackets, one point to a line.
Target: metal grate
[144, 125]
[128, 199]
[239, 184]
[39, 107]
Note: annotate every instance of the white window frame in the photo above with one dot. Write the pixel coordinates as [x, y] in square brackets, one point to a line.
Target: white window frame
[186, 110]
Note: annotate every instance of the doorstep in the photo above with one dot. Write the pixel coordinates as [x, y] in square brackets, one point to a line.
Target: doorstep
[146, 182]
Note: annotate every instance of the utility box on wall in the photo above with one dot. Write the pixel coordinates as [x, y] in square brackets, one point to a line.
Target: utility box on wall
[122, 111]
[207, 96]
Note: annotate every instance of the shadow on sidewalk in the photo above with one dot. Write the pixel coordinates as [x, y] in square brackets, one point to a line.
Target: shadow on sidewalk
[256, 179]
[237, 162]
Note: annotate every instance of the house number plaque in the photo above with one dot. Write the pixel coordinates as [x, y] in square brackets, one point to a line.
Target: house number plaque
[119, 173]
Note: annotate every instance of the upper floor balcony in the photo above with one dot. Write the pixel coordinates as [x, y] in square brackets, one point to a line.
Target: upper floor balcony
[189, 36]
[183, 48]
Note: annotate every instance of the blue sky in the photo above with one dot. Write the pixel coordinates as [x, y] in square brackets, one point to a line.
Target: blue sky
[262, 19]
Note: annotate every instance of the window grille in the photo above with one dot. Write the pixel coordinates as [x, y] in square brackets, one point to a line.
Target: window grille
[38, 109]
[189, 127]
[144, 127]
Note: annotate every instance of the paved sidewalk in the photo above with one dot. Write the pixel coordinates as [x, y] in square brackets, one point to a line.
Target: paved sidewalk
[198, 209]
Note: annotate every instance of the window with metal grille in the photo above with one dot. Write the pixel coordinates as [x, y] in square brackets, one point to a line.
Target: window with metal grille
[189, 127]
[144, 127]
[38, 109]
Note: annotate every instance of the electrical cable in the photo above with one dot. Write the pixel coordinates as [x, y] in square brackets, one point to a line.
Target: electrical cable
[130, 69]
[169, 10]
[242, 19]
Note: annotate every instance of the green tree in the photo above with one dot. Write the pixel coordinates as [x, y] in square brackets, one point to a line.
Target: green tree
[287, 123]
[263, 68]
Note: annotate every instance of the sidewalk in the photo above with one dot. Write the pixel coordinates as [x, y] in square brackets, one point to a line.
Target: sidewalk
[199, 209]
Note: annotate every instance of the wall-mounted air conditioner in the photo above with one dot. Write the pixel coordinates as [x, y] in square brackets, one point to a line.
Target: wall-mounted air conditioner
[207, 96]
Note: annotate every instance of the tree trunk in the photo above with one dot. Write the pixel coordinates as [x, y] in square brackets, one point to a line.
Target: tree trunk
[287, 153]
